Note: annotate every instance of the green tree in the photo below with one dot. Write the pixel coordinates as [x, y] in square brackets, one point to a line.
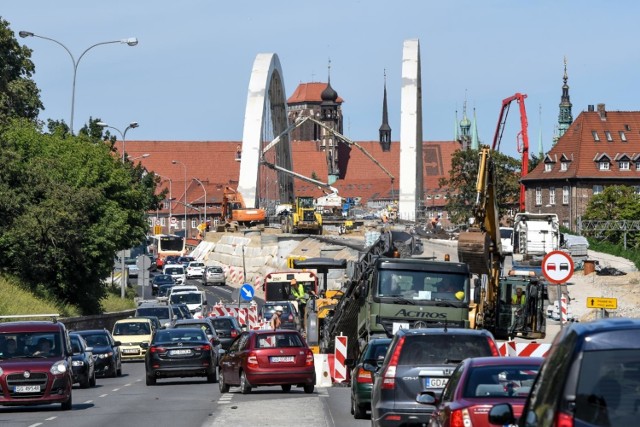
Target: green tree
[616, 202]
[461, 184]
[19, 95]
[67, 205]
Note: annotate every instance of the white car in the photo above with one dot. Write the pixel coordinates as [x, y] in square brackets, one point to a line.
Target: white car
[506, 239]
[195, 269]
[177, 272]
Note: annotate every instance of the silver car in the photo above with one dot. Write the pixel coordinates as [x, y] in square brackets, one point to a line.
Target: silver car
[214, 275]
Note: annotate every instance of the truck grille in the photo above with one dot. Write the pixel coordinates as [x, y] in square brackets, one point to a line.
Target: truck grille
[14, 380]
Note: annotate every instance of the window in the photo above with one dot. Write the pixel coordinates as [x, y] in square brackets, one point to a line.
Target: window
[565, 223]
[183, 224]
[166, 205]
[638, 165]
[597, 189]
[548, 167]
[636, 189]
[595, 136]
[162, 221]
[552, 195]
[193, 223]
[538, 196]
[151, 221]
[564, 166]
[604, 165]
[623, 137]
[608, 135]
[624, 165]
[565, 195]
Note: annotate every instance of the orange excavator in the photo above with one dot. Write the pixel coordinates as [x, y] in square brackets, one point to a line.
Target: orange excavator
[235, 213]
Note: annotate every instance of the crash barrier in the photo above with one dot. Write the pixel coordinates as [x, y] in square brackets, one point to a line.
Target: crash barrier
[523, 349]
[98, 321]
[323, 370]
[245, 315]
[340, 354]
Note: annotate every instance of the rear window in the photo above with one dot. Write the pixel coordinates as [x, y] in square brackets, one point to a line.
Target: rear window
[506, 233]
[222, 324]
[501, 381]
[269, 309]
[132, 328]
[159, 312]
[442, 349]
[187, 298]
[174, 270]
[205, 327]
[179, 335]
[606, 393]
[278, 341]
[214, 270]
[376, 351]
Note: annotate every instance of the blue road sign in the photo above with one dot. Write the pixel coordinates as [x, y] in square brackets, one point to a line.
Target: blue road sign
[247, 292]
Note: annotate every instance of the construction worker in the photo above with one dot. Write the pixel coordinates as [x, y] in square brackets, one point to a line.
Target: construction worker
[519, 297]
[301, 295]
[276, 319]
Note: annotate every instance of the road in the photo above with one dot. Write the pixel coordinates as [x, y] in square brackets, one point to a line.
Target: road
[127, 401]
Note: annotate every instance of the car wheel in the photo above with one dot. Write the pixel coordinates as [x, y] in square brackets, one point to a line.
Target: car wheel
[151, 380]
[224, 388]
[114, 372]
[308, 388]
[359, 412]
[68, 404]
[213, 377]
[85, 382]
[352, 406]
[92, 382]
[245, 387]
[119, 371]
[286, 388]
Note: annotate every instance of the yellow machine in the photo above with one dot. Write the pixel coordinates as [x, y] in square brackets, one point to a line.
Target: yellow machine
[304, 218]
[480, 248]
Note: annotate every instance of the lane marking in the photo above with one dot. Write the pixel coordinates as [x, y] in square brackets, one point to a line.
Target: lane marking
[127, 385]
[103, 395]
[50, 418]
[89, 401]
[115, 389]
[35, 425]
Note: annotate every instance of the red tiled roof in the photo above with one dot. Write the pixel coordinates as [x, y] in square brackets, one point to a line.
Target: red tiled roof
[579, 147]
[309, 93]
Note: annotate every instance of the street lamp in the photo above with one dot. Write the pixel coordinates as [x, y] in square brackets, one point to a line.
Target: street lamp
[132, 125]
[144, 156]
[205, 198]
[132, 41]
[176, 162]
[123, 135]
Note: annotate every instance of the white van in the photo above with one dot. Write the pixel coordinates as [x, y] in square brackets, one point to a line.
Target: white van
[195, 300]
[506, 239]
[182, 288]
[177, 272]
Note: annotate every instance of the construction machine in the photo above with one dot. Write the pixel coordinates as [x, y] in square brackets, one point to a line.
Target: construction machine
[235, 214]
[304, 218]
[494, 307]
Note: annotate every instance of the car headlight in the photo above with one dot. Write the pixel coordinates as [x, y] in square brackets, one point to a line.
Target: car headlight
[77, 363]
[58, 368]
[105, 355]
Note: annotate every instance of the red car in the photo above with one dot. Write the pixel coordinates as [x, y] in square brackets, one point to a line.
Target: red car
[35, 364]
[268, 358]
[481, 382]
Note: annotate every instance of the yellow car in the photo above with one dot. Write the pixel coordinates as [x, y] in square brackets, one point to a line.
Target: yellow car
[131, 333]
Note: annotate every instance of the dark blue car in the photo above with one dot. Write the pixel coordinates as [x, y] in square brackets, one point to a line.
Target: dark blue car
[106, 352]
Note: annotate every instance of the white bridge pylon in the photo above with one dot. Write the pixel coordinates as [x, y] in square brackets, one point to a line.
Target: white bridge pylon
[266, 126]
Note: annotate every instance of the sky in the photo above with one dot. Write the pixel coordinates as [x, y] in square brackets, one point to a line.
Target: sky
[187, 79]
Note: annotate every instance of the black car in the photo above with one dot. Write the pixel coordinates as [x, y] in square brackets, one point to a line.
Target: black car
[83, 365]
[185, 260]
[591, 377]
[416, 369]
[207, 326]
[362, 379]
[228, 329]
[106, 351]
[180, 352]
[159, 280]
[181, 311]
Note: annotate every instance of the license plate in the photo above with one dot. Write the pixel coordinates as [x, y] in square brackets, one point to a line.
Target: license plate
[27, 388]
[130, 351]
[179, 352]
[280, 359]
[435, 382]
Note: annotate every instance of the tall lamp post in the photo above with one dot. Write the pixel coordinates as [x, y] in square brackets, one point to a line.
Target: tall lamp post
[132, 41]
[177, 162]
[205, 198]
[132, 125]
[144, 156]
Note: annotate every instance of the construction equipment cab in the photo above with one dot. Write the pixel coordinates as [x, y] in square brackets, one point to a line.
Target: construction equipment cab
[304, 218]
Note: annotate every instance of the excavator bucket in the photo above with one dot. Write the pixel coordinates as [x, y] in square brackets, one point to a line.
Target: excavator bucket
[474, 249]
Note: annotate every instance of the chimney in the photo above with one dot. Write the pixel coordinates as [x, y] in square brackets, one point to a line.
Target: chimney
[590, 108]
[602, 112]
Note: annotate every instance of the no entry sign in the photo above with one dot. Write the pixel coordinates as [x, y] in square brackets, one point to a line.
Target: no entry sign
[557, 267]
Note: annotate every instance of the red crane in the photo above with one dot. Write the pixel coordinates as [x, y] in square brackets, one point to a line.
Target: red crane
[522, 138]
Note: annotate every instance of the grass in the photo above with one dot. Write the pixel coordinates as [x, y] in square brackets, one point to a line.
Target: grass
[22, 301]
[632, 254]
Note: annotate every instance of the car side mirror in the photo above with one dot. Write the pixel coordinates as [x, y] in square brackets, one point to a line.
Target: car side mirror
[89, 349]
[502, 414]
[117, 343]
[144, 345]
[369, 367]
[428, 398]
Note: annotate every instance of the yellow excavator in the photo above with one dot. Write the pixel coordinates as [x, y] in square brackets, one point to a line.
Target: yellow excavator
[304, 218]
[495, 305]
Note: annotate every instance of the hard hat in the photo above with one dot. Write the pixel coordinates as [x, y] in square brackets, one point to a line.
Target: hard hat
[279, 308]
[459, 295]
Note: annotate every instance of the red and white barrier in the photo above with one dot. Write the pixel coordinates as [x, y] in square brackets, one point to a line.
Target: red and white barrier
[339, 367]
[564, 309]
[246, 316]
[523, 349]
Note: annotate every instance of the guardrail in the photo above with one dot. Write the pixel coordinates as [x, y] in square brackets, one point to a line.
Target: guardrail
[98, 321]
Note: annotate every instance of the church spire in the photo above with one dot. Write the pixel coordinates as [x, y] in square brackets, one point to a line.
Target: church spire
[564, 117]
[385, 129]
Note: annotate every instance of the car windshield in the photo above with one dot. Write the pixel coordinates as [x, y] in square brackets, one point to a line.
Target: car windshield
[196, 264]
[441, 349]
[500, 381]
[30, 344]
[376, 351]
[214, 270]
[279, 340]
[187, 298]
[163, 278]
[168, 336]
[96, 340]
[159, 312]
[163, 290]
[132, 328]
[422, 285]
[202, 325]
[269, 309]
[181, 312]
[76, 347]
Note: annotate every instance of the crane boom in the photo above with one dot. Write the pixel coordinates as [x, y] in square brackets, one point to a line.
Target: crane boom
[300, 176]
[523, 136]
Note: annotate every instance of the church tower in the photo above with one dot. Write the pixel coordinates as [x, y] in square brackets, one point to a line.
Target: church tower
[329, 116]
[564, 117]
[385, 129]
